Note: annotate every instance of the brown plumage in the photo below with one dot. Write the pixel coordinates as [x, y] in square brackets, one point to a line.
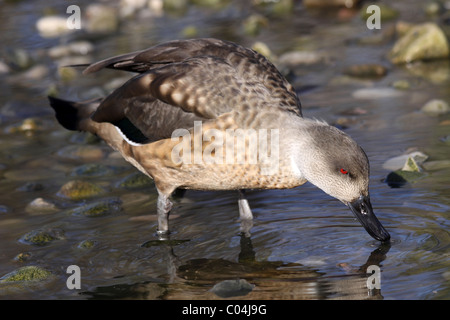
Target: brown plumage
[212, 115]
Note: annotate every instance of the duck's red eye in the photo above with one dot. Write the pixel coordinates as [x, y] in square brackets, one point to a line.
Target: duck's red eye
[343, 171]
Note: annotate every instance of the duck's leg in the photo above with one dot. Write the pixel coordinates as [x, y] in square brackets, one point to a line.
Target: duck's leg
[163, 207]
[245, 213]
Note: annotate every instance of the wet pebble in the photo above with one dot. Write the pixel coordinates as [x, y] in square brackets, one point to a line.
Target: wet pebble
[366, 71]
[93, 170]
[376, 93]
[294, 58]
[27, 126]
[78, 189]
[28, 273]
[254, 24]
[232, 288]
[41, 206]
[101, 18]
[31, 187]
[17, 59]
[98, 208]
[83, 152]
[42, 237]
[22, 257]
[436, 107]
[74, 48]
[135, 181]
[52, 26]
[87, 244]
[422, 42]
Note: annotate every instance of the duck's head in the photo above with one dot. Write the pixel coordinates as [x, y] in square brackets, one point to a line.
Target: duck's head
[335, 163]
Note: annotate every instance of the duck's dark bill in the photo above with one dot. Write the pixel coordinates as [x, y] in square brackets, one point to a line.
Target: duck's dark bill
[362, 209]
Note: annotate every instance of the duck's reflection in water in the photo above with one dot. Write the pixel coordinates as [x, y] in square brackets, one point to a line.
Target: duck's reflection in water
[250, 279]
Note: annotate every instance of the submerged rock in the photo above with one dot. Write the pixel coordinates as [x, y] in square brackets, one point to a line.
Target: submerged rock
[135, 181]
[93, 170]
[41, 237]
[399, 178]
[232, 288]
[98, 209]
[423, 42]
[28, 273]
[410, 172]
[78, 189]
[366, 71]
[87, 244]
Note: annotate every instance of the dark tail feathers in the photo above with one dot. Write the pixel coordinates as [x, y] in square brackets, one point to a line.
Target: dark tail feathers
[66, 113]
[69, 114]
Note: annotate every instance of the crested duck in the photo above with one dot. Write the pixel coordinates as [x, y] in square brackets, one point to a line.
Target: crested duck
[208, 114]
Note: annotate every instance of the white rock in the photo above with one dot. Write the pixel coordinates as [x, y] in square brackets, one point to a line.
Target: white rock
[397, 163]
[377, 93]
[436, 107]
[52, 26]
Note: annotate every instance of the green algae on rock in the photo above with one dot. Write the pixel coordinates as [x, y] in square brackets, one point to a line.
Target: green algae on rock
[28, 273]
[40, 237]
[98, 208]
[135, 181]
[78, 189]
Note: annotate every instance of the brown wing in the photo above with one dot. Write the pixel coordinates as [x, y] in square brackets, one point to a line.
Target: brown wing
[203, 77]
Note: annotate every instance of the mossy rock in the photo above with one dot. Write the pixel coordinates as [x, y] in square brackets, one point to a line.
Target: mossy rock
[28, 273]
[78, 189]
[92, 170]
[41, 237]
[98, 209]
[399, 178]
[87, 244]
[136, 181]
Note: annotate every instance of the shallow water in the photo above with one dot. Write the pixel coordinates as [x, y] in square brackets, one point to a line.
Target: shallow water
[303, 244]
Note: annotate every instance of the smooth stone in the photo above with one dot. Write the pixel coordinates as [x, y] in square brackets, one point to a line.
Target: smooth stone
[422, 42]
[232, 288]
[294, 58]
[436, 107]
[41, 237]
[376, 93]
[87, 244]
[101, 18]
[78, 189]
[366, 71]
[83, 152]
[396, 163]
[98, 209]
[135, 181]
[40, 205]
[52, 26]
[399, 178]
[28, 273]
